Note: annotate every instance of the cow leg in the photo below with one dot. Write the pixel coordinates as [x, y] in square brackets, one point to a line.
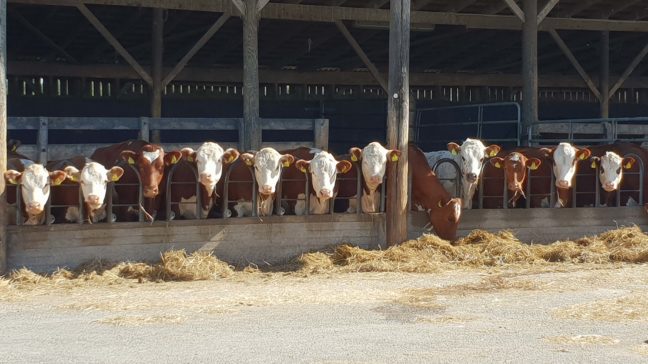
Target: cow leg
[300, 205]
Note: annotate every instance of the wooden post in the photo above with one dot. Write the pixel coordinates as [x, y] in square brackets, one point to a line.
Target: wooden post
[398, 119]
[156, 72]
[43, 139]
[321, 133]
[251, 123]
[529, 65]
[604, 77]
[3, 135]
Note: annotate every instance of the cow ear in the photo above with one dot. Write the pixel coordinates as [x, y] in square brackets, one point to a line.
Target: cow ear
[188, 154]
[231, 155]
[492, 150]
[12, 176]
[302, 165]
[356, 154]
[13, 144]
[533, 163]
[343, 166]
[548, 152]
[248, 158]
[497, 162]
[583, 154]
[172, 157]
[393, 155]
[129, 156]
[57, 177]
[454, 148]
[287, 160]
[596, 161]
[73, 174]
[628, 162]
[115, 174]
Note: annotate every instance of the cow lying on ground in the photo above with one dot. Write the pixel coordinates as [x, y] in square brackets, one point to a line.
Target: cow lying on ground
[93, 178]
[428, 194]
[150, 161]
[374, 159]
[470, 157]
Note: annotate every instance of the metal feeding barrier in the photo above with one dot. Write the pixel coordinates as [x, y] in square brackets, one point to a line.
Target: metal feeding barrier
[457, 177]
[170, 215]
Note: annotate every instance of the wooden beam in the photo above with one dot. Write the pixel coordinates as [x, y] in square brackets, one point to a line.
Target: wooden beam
[546, 10]
[604, 75]
[628, 71]
[619, 6]
[317, 13]
[363, 56]
[455, 7]
[3, 136]
[240, 5]
[261, 4]
[114, 42]
[192, 52]
[398, 114]
[581, 6]
[157, 53]
[251, 123]
[515, 9]
[572, 59]
[15, 14]
[530, 64]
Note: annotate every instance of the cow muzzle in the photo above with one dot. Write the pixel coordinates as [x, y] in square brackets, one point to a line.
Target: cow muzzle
[266, 189]
[207, 179]
[375, 180]
[34, 208]
[609, 187]
[326, 193]
[471, 177]
[93, 201]
[150, 192]
[563, 184]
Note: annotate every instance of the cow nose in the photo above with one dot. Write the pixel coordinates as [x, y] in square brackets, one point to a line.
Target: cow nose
[609, 186]
[375, 179]
[93, 199]
[206, 177]
[150, 191]
[471, 177]
[563, 183]
[266, 189]
[326, 193]
[34, 206]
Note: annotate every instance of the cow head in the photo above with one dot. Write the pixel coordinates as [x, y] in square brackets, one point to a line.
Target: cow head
[209, 159]
[374, 159]
[323, 169]
[565, 159]
[444, 217]
[150, 162]
[611, 167]
[472, 152]
[35, 181]
[515, 166]
[267, 165]
[93, 179]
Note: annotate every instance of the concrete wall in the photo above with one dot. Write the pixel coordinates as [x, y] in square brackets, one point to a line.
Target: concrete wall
[238, 241]
[543, 225]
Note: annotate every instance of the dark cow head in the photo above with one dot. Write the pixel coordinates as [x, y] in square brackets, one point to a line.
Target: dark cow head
[444, 217]
[150, 163]
[515, 166]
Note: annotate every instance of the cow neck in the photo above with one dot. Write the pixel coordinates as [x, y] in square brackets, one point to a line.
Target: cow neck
[564, 195]
[427, 190]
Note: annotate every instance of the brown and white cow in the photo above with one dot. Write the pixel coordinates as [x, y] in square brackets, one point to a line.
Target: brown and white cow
[374, 159]
[35, 181]
[209, 160]
[93, 179]
[515, 167]
[323, 169]
[428, 194]
[150, 160]
[565, 159]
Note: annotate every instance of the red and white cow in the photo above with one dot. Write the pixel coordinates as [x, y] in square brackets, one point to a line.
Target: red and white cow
[470, 158]
[565, 159]
[35, 181]
[374, 158]
[323, 169]
[515, 166]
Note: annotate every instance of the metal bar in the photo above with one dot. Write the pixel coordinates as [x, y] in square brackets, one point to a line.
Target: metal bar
[359, 190]
[43, 134]
[81, 207]
[109, 203]
[278, 194]
[597, 187]
[144, 133]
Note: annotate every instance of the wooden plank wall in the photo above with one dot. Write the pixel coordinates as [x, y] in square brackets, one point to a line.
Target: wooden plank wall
[240, 241]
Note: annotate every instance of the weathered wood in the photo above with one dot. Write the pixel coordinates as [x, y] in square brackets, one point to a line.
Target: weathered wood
[546, 10]
[3, 135]
[604, 76]
[192, 52]
[628, 71]
[317, 13]
[157, 30]
[321, 133]
[145, 132]
[43, 140]
[114, 42]
[572, 59]
[360, 52]
[398, 119]
[530, 64]
[251, 122]
[516, 9]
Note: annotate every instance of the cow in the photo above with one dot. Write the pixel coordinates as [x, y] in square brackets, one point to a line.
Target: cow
[93, 178]
[208, 160]
[374, 159]
[35, 181]
[470, 158]
[266, 168]
[565, 159]
[513, 166]
[150, 160]
[428, 194]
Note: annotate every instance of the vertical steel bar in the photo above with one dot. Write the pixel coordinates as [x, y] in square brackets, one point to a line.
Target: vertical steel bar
[109, 203]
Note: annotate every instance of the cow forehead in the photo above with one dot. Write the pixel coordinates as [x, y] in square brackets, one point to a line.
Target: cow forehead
[565, 152]
[94, 172]
[374, 149]
[209, 150]
[473, 148]
[267, 157]
[152, 155]
[515, 157]
[35, 175]
[324, 162]
[611, 159]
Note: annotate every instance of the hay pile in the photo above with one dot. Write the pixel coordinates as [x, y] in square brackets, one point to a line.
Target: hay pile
[482, 249]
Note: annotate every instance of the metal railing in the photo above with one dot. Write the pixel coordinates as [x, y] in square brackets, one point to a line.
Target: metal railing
[457, 177]
[588, 131]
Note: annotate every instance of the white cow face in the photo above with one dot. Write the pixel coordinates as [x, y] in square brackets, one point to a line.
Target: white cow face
[209, 159]
[611, 167]
[565, 159]
[267, 165]
[472, 152]
[374, 162]
[35, 181]
[323, 169]
[93, 179]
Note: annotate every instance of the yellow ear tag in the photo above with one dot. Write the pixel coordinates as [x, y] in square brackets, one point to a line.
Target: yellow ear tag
[115, 178]
[354, 158]
[73, 178]
[303, 169]
[582, 157]
[498, 165]
[13, 181]
[249, 162]
[394, 158]
[454, 152]
[493, 153]
[13, 149]
[534, 166]
[131, 160]
[56, 182]
[286, 164]
[190, 158]
[628, 165]
[230, 159]
[593, 165]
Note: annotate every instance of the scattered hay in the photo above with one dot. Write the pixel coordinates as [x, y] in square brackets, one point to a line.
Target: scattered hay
[445, 319]
[583, 340]
[315, 262]
[641, 349]
[420, 298]
[627, 308]
[489, 284]
[142, 320]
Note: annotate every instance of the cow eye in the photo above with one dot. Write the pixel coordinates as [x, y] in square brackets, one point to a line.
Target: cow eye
[602, 170]
[619, 170]
[462, 158]
[481, 160]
